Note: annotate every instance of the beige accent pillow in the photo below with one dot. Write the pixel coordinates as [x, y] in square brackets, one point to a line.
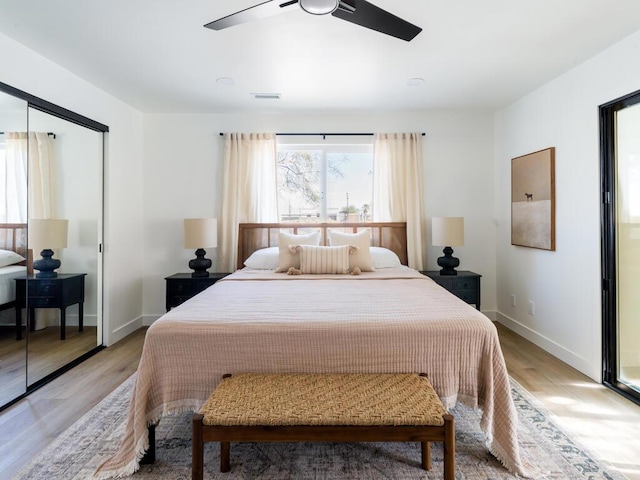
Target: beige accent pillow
[362, 258]
[316, 259]
[286, 259]
[8, 257]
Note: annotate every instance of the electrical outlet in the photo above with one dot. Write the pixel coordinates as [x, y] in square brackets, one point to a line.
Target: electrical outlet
[532, 308]
[513, 300]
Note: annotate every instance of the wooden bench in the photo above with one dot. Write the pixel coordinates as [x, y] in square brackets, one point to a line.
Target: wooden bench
[323, 407]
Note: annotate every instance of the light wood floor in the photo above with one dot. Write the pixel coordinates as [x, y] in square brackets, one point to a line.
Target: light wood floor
[46, 353]
[604, 422]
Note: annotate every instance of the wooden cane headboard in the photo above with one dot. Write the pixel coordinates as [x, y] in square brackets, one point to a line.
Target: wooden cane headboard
[254, 236]
[13, 236]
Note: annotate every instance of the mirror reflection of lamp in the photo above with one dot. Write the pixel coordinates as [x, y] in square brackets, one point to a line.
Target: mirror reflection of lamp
[447, 232]
[45, 235]
[200, 233]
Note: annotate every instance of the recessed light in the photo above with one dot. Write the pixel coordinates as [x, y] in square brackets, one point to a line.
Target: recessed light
[266, 96]
[415, 82]
[226, 81]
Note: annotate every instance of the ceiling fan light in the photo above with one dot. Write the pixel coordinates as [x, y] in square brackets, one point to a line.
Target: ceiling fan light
[319, 7]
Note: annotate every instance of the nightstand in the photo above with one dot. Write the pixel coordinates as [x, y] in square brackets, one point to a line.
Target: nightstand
[58, 292]
[182, 286]
[465, 285]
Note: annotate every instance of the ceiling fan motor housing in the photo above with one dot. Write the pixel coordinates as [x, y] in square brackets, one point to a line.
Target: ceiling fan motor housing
[319, 7]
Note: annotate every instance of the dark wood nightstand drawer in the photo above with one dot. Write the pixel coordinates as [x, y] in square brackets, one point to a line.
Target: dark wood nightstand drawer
[42, 289]
[182, 286]
[179, 288]
[465, 285]
[469, 296]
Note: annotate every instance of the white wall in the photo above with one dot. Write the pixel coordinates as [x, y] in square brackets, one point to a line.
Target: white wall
[183, 158]
[565, 284]
[28, 71]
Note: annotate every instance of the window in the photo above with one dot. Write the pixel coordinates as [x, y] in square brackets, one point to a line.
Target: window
[325, 183]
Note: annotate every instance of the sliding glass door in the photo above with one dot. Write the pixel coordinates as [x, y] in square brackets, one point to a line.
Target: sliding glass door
[620, 122]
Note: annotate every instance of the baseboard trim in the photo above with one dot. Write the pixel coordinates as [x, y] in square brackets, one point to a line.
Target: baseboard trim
[148, 320]
[124, 330]
[558, 351]
[491, 315]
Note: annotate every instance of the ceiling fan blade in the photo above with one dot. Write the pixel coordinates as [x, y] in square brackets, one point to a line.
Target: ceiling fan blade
[368, 15]
[265, 9]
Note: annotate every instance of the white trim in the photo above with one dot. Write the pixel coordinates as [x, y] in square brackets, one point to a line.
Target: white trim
[124, 330]
[558, 351]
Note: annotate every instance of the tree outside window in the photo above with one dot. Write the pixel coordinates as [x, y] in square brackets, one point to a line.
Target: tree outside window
[328, 183]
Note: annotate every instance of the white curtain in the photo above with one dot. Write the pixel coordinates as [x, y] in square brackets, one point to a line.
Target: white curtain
[32, 152]
[13, 178]
[42, 176]
[249, 189]
[397, 187]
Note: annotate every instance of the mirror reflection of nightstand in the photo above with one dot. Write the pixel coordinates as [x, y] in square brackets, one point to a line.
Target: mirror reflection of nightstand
[465, 285]
[61, 291]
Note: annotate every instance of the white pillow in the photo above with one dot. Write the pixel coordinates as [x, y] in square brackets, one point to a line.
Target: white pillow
[7, 257]
[263, 259]
[362, 258]
[384, 258]
[286, 259]
[316, 259]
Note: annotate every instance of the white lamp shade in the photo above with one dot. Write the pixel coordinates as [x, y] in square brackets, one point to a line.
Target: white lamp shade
[447, 231]
[200, 232]
[47, 233]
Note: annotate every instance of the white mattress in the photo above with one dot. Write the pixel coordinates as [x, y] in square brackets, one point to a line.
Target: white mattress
[7, 282]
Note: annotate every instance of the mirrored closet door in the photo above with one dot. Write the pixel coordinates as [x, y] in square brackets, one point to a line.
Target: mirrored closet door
[13, 246]
[65, 169]
[51, 225]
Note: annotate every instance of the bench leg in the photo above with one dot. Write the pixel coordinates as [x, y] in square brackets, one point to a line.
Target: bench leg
[197, 448]
[426, 455]
[225, 449]
[449, 448]
[150, 455]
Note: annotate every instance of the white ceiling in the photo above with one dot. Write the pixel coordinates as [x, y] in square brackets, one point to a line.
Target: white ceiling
[156, 55]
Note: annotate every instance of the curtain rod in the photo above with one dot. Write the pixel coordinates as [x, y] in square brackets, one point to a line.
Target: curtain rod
[325, 135]
[51, 134]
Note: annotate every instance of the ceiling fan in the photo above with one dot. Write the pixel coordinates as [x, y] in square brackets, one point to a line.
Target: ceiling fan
[359, 12]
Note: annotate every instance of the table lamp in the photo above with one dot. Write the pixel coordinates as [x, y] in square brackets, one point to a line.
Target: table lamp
[45, 234]
[447, 232]
[200, 233]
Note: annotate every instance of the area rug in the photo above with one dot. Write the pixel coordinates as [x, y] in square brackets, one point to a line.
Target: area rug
[76, 453]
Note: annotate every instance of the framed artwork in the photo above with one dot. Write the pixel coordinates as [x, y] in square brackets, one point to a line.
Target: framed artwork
[533, 200]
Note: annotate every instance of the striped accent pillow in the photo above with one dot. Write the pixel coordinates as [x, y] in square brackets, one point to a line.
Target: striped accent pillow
[317, 259]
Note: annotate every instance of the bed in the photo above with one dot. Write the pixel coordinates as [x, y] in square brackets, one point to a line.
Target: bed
[255, 320]
[13, 264]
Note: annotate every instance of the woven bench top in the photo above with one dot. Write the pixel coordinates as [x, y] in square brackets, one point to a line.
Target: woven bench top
[323, 399]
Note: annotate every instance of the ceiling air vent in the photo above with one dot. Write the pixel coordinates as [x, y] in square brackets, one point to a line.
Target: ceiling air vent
[266, 96]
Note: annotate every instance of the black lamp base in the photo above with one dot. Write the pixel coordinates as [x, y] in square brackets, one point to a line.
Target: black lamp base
[448, 262]
[46, 265]
[200, 264]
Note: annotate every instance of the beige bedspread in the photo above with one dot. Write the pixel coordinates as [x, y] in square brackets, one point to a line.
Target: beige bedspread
[392, 320]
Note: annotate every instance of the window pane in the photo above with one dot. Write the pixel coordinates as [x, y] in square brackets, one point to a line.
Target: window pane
[299, 185]
[349, 186]
[325, 183]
